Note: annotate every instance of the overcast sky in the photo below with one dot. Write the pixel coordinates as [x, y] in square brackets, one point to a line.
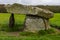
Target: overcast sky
[31, 2]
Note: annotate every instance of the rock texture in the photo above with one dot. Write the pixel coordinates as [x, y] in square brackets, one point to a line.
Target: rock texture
[23, 9]
[35, 23]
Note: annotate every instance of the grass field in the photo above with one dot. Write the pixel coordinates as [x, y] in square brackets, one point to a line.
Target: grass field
[19, 20]
[4, 18]
[4, 36]
[55, 21]
[37, 37]
[4, 21]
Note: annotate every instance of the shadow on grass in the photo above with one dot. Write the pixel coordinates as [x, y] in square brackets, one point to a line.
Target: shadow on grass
[55, 26]
[17, 27]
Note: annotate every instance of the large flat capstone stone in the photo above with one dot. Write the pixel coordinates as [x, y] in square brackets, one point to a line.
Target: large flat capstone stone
[24, 9]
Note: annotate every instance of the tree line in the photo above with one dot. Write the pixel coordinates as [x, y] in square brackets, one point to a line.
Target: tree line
[2, 8]
[55, 9]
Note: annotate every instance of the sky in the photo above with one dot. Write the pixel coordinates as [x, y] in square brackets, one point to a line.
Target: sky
[31, 2]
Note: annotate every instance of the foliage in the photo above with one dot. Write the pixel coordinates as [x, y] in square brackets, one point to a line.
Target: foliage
[55, 9]
[2, 9]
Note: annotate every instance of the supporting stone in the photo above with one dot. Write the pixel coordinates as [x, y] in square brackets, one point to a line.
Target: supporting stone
[46, 23]
[34, 23]
[11, 21]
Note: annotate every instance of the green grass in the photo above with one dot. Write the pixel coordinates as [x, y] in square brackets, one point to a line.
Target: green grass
[4, 21]
[45, 37]
[55, 21]
[4, 36]
[4, 18]
[19, 20]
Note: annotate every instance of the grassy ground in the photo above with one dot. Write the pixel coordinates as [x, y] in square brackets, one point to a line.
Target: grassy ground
[4, 18]
[4, 21]
[19, 20]
[45, 37]
[55, 21]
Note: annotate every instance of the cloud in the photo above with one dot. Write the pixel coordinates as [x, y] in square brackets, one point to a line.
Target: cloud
[32, 2]
[44, 2]
[8, 1]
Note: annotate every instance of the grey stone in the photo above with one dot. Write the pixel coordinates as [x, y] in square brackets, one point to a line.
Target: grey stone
[35, 24]
[24, 9]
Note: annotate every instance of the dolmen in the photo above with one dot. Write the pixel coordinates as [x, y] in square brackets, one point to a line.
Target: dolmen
[36, 18]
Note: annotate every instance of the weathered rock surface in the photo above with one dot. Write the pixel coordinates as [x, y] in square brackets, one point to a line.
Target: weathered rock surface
[35, 24]
[23, 9]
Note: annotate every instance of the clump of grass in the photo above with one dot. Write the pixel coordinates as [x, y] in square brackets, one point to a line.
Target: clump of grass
[49, 31]
[41, 32]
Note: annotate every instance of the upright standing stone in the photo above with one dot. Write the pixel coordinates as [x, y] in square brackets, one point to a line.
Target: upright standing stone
[11, 21]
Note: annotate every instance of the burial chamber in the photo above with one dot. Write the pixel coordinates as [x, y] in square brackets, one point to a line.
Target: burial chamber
[36, 18]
